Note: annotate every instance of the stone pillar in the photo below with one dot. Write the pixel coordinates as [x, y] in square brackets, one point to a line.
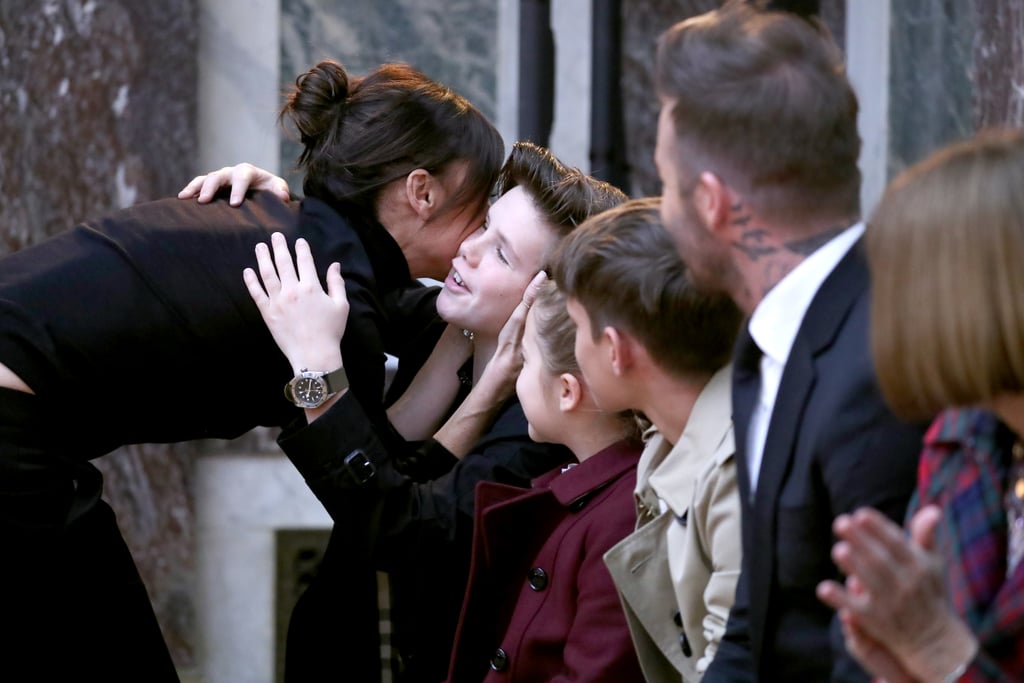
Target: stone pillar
[998, 73]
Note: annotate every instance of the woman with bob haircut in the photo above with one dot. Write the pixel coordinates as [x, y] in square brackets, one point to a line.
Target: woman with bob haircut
[946, 601]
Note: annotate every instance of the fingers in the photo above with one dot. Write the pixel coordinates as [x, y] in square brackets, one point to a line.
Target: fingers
[833, 594]
[530, 294]
[923, 524]
[283, 260]
[277, 271]
[241, 179]
[873, 548]
[873, 655]
[512, 331]
[267, 271]
[213, 182]
[192, 189]
[279, 187]
[256, 291]
[305, 267]
[336, 285]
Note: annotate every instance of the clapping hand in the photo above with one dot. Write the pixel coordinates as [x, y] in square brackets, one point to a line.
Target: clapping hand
[895, 607]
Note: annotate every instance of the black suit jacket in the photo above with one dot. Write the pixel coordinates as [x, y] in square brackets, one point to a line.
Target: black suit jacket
[832, 447]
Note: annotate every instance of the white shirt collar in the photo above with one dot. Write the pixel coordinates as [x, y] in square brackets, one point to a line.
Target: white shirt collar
[778, 317]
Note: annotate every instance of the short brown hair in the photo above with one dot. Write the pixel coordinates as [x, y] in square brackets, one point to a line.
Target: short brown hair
[359, 134]
[564, 195]
[947, 304]
[624, 269]
[761, 99]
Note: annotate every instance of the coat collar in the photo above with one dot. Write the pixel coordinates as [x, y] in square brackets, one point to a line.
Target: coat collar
[707, 437]
[574, 485]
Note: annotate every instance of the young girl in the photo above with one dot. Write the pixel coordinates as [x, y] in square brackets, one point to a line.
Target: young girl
[541, 605]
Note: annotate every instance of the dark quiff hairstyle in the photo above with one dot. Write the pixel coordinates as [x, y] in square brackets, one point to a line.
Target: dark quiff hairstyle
[564, 195]
[359, 134]
[761, 99]
[623, 267]
[947, 300]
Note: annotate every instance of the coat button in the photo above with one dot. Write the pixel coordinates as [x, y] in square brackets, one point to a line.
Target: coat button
[684, 643]
[499, 660]
[538, 579]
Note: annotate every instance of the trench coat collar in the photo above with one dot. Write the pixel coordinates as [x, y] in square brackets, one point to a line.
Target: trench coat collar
[708, 434]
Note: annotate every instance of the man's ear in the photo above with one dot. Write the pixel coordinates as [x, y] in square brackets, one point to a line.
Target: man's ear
[713, 201]
[570, 392]
[621, 350]
[423, 191]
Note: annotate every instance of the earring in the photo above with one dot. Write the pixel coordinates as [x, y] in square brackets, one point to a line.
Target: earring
[468, 334]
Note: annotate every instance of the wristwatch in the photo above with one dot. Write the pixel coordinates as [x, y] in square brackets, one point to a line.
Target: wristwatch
[310, 389]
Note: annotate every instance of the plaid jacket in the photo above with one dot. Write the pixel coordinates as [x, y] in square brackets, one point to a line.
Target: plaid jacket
[963, 469]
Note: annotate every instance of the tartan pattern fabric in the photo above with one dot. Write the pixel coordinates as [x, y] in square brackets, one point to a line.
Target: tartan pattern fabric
[963, 469]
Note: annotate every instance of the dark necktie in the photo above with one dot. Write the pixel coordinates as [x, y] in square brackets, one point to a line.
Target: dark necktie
[746, 387]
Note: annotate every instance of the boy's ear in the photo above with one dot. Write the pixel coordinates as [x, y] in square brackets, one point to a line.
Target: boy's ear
[423, 191]
[570, 392]
[713, 201]
[621, 350]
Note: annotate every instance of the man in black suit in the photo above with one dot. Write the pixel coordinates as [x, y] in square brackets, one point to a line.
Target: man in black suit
[757, 147]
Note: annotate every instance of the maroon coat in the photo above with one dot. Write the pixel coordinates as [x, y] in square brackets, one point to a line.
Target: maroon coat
[540, 604]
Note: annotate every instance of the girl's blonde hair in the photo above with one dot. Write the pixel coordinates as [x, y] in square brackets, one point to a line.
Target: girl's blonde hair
[556, 337]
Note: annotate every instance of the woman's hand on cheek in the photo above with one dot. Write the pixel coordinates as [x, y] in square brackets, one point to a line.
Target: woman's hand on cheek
[306, 322]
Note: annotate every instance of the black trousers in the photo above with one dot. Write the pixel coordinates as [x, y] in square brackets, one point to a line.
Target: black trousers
[72, 604]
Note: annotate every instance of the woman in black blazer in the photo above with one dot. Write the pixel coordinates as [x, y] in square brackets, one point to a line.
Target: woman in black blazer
[137, 327]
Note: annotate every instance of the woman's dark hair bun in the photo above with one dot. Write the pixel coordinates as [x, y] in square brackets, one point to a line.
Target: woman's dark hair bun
[313, 104]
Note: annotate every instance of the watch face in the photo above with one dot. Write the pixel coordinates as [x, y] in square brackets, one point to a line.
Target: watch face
[309, 391]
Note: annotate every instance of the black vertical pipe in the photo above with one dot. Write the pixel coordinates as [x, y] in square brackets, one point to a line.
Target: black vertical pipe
[607, 131]
[536, 71]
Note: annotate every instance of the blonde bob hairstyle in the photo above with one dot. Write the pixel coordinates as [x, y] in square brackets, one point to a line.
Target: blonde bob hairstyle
[946, 252]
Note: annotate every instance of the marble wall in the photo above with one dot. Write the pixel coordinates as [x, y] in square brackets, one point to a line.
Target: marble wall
[998, 68]
[955, 68]
[642, 22]
[97, 111]
[452, 41]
